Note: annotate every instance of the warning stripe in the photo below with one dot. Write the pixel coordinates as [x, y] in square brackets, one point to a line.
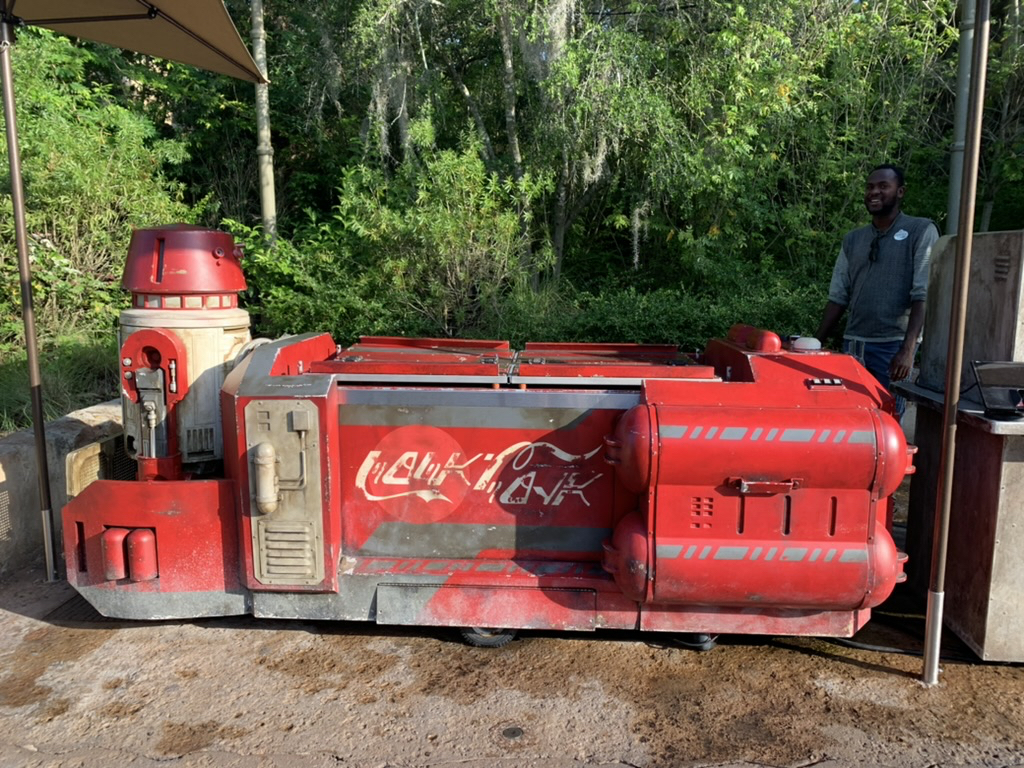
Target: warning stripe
[766, 435]
[781, 554]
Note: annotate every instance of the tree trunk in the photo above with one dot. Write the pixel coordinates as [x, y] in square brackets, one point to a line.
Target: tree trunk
[478, 118]
[512, 129]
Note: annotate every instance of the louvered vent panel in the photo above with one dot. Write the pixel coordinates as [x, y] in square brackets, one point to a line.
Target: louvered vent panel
[287, 550]
[199, 440]
[1001, 268]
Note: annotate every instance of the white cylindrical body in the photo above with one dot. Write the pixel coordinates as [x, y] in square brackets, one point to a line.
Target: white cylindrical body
[211, 340]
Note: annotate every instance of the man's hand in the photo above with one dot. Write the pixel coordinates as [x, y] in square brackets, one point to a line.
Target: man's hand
[900, 366]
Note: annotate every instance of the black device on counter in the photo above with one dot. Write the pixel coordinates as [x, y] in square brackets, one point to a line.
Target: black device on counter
[1001, 387]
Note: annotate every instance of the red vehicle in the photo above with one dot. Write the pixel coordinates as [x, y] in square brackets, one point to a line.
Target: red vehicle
[465, 484]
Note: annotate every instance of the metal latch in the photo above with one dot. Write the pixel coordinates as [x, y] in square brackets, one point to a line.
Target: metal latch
[764, 486]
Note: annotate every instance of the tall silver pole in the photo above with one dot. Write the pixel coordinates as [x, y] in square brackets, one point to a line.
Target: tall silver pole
[50, 547]
[264, 148]
[963, 87]
[955, 351]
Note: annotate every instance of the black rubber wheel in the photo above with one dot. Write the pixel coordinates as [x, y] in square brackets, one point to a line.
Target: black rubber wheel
[696, 641]
[487, 637]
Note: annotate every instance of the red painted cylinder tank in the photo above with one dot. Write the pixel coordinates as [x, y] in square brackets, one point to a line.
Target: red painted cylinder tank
[713, 446]
[757, 506]
[112, 547]
[142, 565]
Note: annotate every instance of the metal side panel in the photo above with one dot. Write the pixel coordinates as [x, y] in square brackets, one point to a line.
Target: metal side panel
[476, 606]
[288, 540]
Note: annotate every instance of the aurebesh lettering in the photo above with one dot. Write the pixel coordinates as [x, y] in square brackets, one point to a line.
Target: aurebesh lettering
[523, 473]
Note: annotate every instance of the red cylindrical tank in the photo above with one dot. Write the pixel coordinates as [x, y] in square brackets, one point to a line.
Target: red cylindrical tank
[714, 446]
[627, 557]
[757, 506]
[112, 546]
[142, 565]
[796, 574]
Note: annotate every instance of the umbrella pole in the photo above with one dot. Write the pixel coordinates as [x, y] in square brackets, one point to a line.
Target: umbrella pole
[955, 350]
[24, 271]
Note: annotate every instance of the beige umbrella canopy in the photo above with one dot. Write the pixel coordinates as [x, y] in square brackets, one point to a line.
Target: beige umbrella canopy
[195, 32]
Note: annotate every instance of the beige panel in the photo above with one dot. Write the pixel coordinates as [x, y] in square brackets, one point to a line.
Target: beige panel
[288, 543]
[212, 340]
[995, 328]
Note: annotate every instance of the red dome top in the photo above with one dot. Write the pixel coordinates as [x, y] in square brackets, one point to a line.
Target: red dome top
[183, 260]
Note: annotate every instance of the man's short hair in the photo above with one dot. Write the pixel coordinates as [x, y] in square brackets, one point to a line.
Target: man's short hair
[894, 168]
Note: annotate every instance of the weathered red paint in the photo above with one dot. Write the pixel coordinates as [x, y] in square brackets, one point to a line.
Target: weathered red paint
[142, 565]
[182, 260]
[572, 486]
[194, 523]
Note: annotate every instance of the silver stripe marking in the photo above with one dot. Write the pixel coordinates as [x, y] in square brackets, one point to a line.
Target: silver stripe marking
[854, 556]
[789, 554]
[839, 436]
[733, 433]
[671, 433]
[731, 553]
[711, 433]
[696, 432]
[862, 437]
[771, 434]
[824, 436]
[757, 433]
[797, 436]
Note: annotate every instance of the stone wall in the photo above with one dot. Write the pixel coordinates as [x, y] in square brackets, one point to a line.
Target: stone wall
[21, 528]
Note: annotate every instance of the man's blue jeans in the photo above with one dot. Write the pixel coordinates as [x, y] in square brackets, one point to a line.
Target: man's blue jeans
[876, 357]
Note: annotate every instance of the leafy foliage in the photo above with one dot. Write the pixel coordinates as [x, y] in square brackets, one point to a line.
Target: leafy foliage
[629, 170]
[92, 170]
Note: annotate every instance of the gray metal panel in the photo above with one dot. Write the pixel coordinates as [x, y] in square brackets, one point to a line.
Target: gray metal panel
[356, 602]
[257, 381]
[407, 604]
[458, 541]
[288, 542]
[155, 606]
[493, 398]
[493, 409]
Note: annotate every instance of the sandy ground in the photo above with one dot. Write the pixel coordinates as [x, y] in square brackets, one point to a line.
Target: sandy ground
[78, 691]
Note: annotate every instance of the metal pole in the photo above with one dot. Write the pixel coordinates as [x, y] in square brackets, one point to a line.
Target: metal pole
[264, 148]
[50, 547]
[963, 86]
[955, 350]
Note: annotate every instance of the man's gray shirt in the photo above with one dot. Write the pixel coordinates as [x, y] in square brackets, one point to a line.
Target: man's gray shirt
[878, 293]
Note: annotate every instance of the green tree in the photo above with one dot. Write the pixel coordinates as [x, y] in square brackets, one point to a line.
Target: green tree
[92, 171]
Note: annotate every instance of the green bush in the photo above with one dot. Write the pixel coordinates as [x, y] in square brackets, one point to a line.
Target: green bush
[92, 171]
[76, 372]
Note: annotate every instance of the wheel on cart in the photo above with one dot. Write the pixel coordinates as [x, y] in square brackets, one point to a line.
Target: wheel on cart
[696, 641]
[487, 637]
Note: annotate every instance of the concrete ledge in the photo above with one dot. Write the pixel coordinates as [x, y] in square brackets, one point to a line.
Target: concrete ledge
[21, 528]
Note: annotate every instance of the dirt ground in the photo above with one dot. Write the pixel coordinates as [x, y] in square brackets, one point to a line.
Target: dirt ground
[78, 691]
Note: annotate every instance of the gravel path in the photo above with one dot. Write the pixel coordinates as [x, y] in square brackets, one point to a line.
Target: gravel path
[79, 692]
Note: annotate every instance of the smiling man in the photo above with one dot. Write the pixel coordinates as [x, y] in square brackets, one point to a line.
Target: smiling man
[881, 277]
